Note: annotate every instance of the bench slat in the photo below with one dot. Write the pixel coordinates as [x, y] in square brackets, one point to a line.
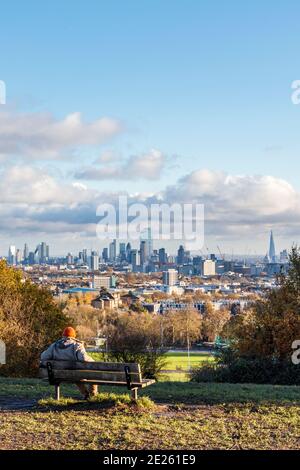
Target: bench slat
[91, 374]
[103, 366]
[143, 384]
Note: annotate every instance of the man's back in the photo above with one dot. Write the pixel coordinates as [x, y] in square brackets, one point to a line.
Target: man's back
[66, 349]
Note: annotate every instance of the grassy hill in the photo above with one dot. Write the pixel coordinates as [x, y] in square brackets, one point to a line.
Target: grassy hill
[183, 416]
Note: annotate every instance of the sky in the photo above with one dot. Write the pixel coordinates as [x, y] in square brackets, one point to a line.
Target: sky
[173, 101]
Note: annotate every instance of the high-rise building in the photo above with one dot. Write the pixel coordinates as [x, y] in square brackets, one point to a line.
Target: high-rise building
[122, 251]
[143, 252]
[94, 261]
[113, 251]
[170, 277]
[162, 256]
[128, 252]
[147, 238]
[134, 259]
[25, 252]
[12, 255]
[105, 255]
[272, 253]
[85, 256]
[208, 267]
[180, 255]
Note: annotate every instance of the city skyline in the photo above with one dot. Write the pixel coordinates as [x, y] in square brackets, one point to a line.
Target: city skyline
[138, 108]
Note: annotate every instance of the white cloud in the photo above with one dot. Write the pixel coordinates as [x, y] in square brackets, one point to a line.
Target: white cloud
[41, 136]
[146, 166]
[236, 206]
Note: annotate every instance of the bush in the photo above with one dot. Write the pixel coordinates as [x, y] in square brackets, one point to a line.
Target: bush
[249, 370]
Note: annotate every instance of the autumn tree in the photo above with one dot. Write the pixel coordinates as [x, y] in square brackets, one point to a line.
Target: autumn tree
[30, 319]
[213, 321]
[269, 328]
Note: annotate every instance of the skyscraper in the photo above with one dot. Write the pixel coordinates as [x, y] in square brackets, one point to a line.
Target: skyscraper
[94, 261]
[113, 251]
[272, 253]
[12, 255]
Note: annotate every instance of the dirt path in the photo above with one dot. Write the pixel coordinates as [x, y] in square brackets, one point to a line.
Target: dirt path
[16, 404]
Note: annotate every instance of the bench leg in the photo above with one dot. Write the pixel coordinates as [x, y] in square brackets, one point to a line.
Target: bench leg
[57, 392]
[134, 394]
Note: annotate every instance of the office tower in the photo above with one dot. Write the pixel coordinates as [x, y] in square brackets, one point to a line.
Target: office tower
[70, 258]
[105, 255]
[134, 259]
[31, 258]
[272, 254]
[213, 257]
[85, 256]
[122, 251]
[284, 256]
[170, 277]
[18, 256]
[25, 252]
[12, 255]
[94, 261]
[143, 252]
[128, 252]
[180, 255]
[146, 237]
[162, 256]
[113, 251]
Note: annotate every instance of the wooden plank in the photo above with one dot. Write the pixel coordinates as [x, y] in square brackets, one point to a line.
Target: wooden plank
[89, 374]
[105, 366]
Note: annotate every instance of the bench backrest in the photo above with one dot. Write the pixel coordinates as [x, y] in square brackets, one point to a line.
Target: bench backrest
[105, 371]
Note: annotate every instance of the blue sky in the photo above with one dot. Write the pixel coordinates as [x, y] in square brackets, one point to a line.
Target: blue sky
[206, 83]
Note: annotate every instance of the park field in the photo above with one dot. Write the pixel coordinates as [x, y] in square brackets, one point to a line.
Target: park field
[168, 415]
[176, 364]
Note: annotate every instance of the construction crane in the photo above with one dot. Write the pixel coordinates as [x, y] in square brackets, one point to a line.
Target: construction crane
[221, 254]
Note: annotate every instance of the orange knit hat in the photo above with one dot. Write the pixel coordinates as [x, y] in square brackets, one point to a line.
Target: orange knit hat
[69, 332]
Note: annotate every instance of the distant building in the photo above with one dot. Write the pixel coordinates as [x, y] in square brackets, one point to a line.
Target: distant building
[272, 253]
[94, 261]
[106, 282]
[170, 277]
[12, 255]
[208, 267]
[113, 251]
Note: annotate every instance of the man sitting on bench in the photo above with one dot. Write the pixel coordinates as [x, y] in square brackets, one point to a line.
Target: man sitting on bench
[68, 348]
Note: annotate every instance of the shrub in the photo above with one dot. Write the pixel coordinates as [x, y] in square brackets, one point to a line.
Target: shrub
[249, 370]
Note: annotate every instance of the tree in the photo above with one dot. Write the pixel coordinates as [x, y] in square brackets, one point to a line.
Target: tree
[213, 321]
[135, 337]
[29, 321]
[268, 329]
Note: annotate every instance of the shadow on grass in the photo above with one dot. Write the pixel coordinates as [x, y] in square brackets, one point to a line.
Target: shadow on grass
[161, 392]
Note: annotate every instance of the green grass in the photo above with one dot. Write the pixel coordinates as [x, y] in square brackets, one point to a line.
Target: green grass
[178, 415]
[177, 362]
[215, 427]
[167, 392]
[181, 360]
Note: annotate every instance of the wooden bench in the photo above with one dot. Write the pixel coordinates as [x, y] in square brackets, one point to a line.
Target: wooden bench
[96, 373]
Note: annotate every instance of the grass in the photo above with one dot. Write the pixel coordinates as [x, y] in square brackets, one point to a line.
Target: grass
[181, 360]
[167, 392]
[184, 415]
[216, 427]
[177, 364]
